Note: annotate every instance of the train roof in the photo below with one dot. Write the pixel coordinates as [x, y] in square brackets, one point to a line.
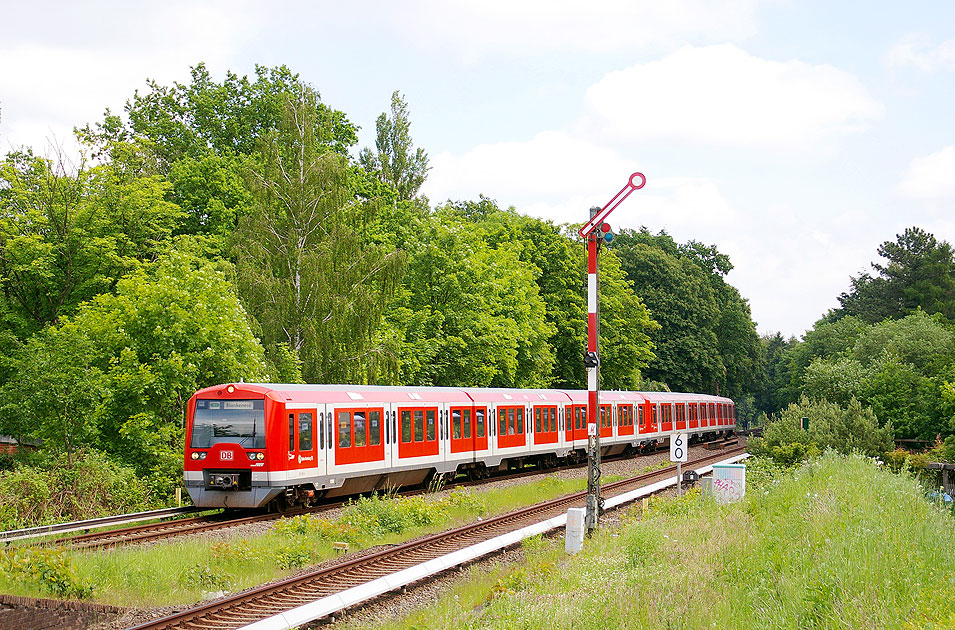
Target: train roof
[304, 393]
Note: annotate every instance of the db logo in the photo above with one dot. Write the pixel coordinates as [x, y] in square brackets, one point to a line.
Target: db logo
[226, 456]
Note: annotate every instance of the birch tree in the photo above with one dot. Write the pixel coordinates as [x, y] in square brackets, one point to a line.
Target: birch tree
[304, 268]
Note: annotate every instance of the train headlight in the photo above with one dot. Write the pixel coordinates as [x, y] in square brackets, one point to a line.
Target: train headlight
[260, 456]
[195, 455]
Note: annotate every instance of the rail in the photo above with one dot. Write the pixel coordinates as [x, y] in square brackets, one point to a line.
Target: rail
[93, 523]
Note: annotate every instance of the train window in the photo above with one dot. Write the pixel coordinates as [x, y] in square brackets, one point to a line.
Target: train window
[430, 416]
[291, 432]
[511, 429]
[537, 420]
[456, 424]
[374, 428]
[418, 425]
[321, 431]
[502, 421]
[479, 420]
[305, 431]
[568, 413]
[520, 419]
[640, 416]
[405, 426]
[577, 418]
[467, 423]
[359, 428]
[344, 429]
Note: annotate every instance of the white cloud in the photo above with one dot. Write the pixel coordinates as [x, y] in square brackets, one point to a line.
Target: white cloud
[558, 176]
[56, 80]
[931, 176]
[475, 29]
[917, 51]
[722, 95]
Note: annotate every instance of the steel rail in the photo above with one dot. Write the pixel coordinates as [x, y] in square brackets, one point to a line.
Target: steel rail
[94, 523]
[271, 599]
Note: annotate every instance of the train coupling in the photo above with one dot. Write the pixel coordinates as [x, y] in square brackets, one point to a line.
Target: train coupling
[224, 481]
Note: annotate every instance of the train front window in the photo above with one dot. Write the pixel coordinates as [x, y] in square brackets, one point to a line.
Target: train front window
[239, 422]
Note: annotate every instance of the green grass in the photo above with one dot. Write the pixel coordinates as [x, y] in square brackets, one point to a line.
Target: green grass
[183, 571]
[839, 544]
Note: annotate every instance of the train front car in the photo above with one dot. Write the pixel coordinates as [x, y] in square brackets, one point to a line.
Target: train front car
[227, 452]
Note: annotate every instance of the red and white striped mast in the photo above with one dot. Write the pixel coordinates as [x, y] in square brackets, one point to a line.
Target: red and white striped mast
[594, 232]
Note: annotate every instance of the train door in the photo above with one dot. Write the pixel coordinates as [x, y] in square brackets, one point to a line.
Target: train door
[417, 431]
[680, 417]
[545, 425]
[304, 431]
[510, 426]
[359, 436]
[694, 420]
[576, 422]
[467, 430]
[666, 416]
[606, 420]
[624, 419]
[712, 414]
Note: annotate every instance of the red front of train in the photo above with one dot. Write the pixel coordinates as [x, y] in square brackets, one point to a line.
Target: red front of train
[230, 442]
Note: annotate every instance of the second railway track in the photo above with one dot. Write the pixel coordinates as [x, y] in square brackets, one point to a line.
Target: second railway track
[265, 601]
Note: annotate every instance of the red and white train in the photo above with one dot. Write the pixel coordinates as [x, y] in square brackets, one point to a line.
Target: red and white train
[248, 445]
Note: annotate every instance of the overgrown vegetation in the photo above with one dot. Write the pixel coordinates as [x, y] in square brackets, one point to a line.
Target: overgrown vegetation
[92, 486]
[891, 344]
[840, 542]
[181, 571]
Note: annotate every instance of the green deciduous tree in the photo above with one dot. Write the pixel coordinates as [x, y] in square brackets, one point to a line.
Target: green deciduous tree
[845, 428]
[395, 161]
[471, 313]
[66, 236]
[127, 362]
[304, 268]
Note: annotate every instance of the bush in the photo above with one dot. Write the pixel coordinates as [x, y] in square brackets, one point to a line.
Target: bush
[51, 569]
[831, 426]
[92, 486]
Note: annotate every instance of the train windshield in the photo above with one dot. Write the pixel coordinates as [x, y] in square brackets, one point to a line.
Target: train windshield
[239, 422]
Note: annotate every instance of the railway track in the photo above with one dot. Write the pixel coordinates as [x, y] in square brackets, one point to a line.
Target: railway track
[272, 599]
[152, 532]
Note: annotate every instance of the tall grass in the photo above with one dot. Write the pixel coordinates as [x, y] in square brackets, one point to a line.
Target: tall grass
[839, 544]
[185, 571]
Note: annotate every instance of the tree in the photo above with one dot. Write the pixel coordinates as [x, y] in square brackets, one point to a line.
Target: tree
[395, 161]
[844, 428]
[682, 301]
[707, 339]
[66, 236]
[470, 313]
[116, 375]
[558, 261]
[304, 269]
[919, 273]
[224, 119]
[57, 392]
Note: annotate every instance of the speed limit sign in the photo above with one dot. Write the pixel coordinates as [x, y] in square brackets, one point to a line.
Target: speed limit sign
[678, 447]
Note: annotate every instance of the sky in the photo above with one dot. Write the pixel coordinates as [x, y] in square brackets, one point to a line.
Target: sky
[796, 136]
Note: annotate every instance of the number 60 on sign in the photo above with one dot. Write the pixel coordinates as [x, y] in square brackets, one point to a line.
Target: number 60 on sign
[678, 447]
